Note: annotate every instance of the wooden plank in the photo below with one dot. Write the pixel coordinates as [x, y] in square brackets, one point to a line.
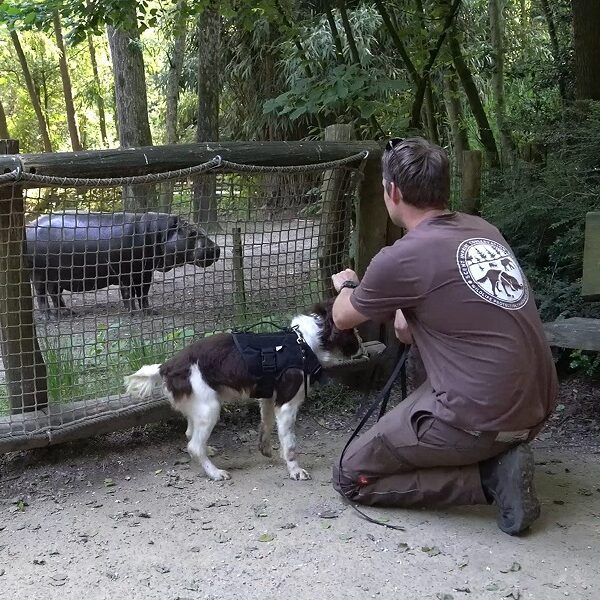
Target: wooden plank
[240, 306]
[576, 333]
[125, 162]
[23, 362]
[590, 282]
[334, 228]
[371, 230]
[371, 217]
[68, 422]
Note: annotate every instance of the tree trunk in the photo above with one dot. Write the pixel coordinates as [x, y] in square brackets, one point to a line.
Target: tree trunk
[460, 139]
[175, 59]
[174, 73]
[348, 30]
[496, 16]
[66, 83]
[556, 54]
[485, 131]
[335, 34]
[355, 56]
[387, 21]
[3, 124]
[432, 126]
[33, 96]
[586, 24]
[209, 91]
[98, 91]
[452, 8]
[132, 103]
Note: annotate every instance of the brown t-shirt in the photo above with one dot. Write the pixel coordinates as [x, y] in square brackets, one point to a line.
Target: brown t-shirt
[473, 318]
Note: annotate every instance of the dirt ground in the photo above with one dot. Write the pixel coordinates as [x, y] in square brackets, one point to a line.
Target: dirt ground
[127, 516]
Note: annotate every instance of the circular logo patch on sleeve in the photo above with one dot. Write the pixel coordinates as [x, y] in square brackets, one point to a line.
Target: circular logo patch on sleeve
[492, 272]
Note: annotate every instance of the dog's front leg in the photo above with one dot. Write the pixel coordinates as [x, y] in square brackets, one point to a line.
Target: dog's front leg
[267, 416]
[286, 425]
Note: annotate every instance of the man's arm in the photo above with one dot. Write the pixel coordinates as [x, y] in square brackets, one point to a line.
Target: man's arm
[345, 316]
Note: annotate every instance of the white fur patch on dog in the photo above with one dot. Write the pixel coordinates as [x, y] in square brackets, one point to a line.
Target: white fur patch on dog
[143, 381]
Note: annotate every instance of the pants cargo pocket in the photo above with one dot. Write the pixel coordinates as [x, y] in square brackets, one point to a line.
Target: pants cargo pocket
[375, 458]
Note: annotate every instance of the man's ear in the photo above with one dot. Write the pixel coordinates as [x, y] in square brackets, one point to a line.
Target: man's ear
[394, 193]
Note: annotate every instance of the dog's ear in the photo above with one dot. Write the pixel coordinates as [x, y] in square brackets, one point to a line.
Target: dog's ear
[324, 308]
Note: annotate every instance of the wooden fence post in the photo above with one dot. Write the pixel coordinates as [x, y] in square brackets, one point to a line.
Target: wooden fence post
[239, 285]
[371, 228]
[334, 234]
[23, 363]
[471, 182]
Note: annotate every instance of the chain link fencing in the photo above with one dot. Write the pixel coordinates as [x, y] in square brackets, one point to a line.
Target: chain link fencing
[118, 273]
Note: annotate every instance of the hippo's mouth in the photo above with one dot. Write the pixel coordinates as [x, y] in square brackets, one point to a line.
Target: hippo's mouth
[206, 257]
[204, 262]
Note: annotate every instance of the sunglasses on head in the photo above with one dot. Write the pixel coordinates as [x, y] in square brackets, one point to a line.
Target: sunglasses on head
[393, 142]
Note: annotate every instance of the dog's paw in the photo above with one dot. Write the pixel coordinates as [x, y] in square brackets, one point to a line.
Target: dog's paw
[265, 447]
[219, 475]
[299, 474]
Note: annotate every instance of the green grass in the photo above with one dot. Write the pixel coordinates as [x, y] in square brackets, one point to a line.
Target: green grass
[97, 370]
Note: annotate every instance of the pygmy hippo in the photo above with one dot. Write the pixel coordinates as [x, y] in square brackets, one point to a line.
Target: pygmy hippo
[82, 251]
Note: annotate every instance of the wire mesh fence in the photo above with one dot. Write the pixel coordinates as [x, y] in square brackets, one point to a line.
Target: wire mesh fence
[125, 273]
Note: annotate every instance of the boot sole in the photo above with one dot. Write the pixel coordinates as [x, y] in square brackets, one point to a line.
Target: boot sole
[531, 506]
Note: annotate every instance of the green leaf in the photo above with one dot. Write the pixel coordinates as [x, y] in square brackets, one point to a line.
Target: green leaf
[297, 113]
[368, 109]
[266, 537]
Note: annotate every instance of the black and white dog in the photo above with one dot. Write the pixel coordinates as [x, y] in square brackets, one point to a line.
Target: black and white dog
[217, 370]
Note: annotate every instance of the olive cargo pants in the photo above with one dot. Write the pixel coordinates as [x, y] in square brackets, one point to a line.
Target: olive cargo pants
[411, 458]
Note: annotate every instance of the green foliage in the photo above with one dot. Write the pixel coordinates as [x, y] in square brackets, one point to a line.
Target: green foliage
[587, 363]
[336, 90]
[322, 83]
[541, 208]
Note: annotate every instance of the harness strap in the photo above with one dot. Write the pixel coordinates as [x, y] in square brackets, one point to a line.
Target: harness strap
[382, 401]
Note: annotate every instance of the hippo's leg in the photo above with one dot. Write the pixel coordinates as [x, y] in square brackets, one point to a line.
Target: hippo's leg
[127, 295]
[144, 290]
[41, 295]
[55, 292]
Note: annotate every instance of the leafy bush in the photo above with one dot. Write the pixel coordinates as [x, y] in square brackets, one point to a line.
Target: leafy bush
[541, 208]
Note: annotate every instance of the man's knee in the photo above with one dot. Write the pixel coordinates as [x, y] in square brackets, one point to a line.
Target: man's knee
[347, 481]
[344, 480]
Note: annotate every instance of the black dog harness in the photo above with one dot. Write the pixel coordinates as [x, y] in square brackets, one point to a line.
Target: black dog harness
[269, 355]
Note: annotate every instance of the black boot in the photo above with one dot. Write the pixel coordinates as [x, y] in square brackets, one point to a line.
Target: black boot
[507, 480]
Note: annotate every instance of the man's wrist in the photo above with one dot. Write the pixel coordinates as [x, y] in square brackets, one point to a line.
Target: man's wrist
[348, 284]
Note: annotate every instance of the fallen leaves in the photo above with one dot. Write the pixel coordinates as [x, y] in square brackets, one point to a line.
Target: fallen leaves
[512, 569]
[431, 551]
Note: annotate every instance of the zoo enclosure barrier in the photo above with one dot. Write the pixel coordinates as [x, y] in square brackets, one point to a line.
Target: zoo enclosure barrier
[114, 259]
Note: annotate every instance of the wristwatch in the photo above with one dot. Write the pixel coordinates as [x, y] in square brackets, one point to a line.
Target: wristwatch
[348, 284]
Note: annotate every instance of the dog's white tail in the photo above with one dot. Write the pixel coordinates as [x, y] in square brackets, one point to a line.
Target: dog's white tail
[142, 382]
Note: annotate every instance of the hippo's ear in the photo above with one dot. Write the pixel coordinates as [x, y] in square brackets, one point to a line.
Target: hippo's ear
[172, 225]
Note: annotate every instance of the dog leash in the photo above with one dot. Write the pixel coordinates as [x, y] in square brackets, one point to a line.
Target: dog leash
[382, 401]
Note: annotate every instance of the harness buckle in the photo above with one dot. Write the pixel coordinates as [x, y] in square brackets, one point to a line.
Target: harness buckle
[299, 338]
[268, 361]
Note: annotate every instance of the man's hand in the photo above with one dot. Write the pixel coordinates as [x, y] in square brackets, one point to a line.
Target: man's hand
[401, 328]
[346, 275]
